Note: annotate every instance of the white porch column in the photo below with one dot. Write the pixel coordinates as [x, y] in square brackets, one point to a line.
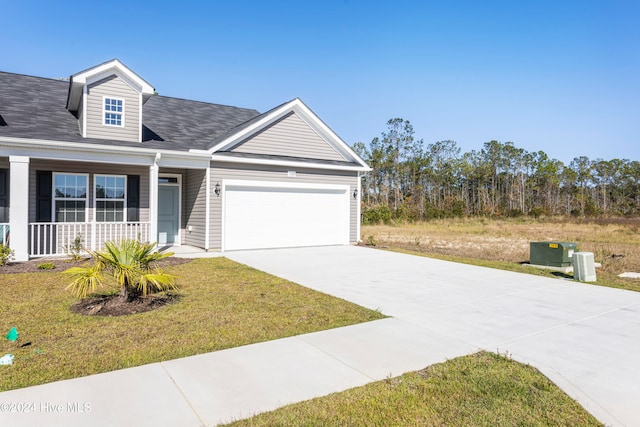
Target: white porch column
[19, 207]
[153, 203]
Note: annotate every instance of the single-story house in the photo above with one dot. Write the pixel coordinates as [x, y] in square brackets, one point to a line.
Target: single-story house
[101, 156]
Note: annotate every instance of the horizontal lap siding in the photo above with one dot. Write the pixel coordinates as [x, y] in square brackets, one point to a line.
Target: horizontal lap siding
[291, 137]
[113, 87]
[222, 172]
[91, 169]
[195, 207]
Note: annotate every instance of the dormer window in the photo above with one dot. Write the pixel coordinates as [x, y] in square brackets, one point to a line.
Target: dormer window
[113, 111]
[99, 96]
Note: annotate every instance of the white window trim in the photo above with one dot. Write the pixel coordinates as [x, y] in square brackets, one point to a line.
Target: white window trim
[55, 199]
[95, 198]
[104, 111]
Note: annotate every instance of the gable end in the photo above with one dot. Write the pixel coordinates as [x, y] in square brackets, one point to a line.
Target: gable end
[289, 136]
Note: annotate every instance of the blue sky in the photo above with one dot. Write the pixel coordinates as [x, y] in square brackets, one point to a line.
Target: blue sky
[558, 76]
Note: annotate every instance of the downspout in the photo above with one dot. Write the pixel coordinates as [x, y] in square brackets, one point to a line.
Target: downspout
[358, 203]
[207, 204]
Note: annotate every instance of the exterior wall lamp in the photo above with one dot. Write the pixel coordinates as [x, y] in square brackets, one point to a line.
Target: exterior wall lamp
[217, 189]
[355, 193]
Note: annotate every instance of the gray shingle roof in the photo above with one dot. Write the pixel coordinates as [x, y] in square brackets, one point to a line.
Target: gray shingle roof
[34, 107]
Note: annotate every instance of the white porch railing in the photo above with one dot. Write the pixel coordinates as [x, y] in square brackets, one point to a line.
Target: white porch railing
[55, 238]
[4, 233]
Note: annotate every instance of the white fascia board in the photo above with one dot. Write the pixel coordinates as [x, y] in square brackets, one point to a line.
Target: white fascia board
[108, 68]
[325, 131]
[288, 163]
[75, 151]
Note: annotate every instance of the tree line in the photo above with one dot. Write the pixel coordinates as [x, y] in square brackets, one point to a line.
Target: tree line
[412, 180]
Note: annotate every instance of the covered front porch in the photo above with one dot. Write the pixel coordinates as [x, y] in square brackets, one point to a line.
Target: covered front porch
[55, 206]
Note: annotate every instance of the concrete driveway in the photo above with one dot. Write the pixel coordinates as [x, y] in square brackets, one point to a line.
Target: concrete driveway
[585, 338]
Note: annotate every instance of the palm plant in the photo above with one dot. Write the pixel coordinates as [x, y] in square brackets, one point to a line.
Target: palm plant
[129, 262]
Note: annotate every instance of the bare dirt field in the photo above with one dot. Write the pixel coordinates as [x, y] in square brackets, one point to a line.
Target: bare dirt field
[615, 242]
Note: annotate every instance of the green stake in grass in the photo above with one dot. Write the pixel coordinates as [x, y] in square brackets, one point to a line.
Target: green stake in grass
[12, 335]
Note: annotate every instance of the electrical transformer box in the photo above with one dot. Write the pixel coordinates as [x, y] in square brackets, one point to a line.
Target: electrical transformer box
[553, 254]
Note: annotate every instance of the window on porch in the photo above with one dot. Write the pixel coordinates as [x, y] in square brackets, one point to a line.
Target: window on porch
[110, 198]
[63, 211]
[70, 197]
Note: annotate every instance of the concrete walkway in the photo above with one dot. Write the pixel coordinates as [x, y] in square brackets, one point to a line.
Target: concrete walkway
[585, 338]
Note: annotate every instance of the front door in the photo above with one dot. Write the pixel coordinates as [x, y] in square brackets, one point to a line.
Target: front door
[168, 214]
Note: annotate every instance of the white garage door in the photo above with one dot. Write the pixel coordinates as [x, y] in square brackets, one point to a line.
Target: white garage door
[274, 215]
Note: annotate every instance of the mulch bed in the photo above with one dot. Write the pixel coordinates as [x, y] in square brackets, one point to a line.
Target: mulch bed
[112, 305]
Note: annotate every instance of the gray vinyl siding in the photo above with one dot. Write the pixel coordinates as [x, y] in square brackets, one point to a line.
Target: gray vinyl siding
[221, 172]
[194, 201]
[113, 87]
[91, 169]
[292, 137]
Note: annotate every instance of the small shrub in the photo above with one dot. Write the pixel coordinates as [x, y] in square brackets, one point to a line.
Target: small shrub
[74, 250]
[376, 215]
[371, 240]
[514, 213]
[46, 266]
[6, 254]
[129, 263]
[537, 212]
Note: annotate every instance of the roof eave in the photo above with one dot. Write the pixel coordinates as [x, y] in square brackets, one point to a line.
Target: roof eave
[42, 148]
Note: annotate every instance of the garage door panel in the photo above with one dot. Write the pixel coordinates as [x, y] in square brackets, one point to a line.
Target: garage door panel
[263, 217]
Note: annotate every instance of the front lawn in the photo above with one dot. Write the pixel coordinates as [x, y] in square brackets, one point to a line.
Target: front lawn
[221, 305]
[482, 389]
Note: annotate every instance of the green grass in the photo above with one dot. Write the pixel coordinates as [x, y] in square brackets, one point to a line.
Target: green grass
[482, 389]
[603, 278]
[504, 243]
[223, 304]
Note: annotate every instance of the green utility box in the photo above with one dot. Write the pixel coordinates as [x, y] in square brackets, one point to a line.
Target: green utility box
[554, 254]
